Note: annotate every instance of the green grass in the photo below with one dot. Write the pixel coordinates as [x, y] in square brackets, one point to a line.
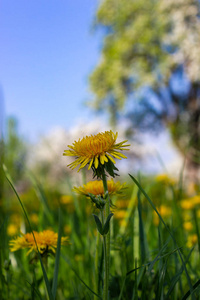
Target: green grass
[151, 257]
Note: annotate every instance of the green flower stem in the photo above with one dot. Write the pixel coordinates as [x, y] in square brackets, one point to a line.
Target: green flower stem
[106, 239]
[106, 270]
[45, 263]
[97, 263]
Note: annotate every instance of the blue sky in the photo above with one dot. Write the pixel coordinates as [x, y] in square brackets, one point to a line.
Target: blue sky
[47, 52]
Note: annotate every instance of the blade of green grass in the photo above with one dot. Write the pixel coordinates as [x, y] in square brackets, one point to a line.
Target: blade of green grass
[135, 291]
[4, 221]
[153, 206]
[177, 276]
[141, 230]
[162, 272]
[197, 228]
[69, 263]
[55, 275]
[141, 268]
[42, 266]
[180, 183]
[152, 263]
[35, 290]
[42, 196]
[149, 263]
[195, 286]
[122, 288]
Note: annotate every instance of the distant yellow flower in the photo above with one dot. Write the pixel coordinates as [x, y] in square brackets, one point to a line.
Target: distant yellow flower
[191, 202]
[12, 229]
[187, 226]
[95, 150]
[192, 240]
[96, 188]
[34, 218]
[120, 214]
[187, 204]
[79, 257]
[186, 216]
[164, 211]
[164, 179]
[196, 199]
[46, 242]
[66, 199]
[67, 229]
[198, 213]
[122, 203]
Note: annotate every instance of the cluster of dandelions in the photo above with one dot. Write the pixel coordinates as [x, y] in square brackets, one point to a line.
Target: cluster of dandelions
[99, 152]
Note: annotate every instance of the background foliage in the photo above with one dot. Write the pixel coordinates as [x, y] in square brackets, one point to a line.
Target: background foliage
[150, 66]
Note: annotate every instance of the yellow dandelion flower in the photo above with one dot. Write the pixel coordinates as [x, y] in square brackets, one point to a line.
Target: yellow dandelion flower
[187, 226]
[122, 203]
[190, 203]
[96, 150]
[123, 223]
[67, 229]
[46, 241]
[96, 188]
[192, 240]
[186, 216]
[66, 199]
[196, 199]
[164, 211]
[12, 229]
[78, 257]
[120, 214]
[164, 179]
[198, 213]
[34, 218]
[187, 204]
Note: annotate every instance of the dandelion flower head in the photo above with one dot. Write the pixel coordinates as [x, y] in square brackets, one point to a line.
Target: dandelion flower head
[96, 188]
[96, 150]
[46, 242]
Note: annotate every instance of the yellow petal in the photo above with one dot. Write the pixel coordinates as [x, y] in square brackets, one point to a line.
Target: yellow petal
[96, 162]
[102, 159]
[111, 159]
[91, 162]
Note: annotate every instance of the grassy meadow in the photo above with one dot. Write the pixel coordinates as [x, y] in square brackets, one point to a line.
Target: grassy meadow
[154, 239]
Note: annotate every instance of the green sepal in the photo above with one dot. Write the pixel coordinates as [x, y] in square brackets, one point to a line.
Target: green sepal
[110, 168]
[107, 167]
[106, 225]
[100, 202]
[99, 224]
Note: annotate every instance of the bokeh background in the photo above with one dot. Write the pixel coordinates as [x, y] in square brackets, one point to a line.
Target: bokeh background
[72, 68]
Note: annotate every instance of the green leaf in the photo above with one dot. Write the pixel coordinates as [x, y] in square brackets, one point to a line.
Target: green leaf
[141, 230]
[173, 238]
[35, 290]
[76, 273]
[55, 275]
[195, 286]
[106, 225]
[99, 224]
